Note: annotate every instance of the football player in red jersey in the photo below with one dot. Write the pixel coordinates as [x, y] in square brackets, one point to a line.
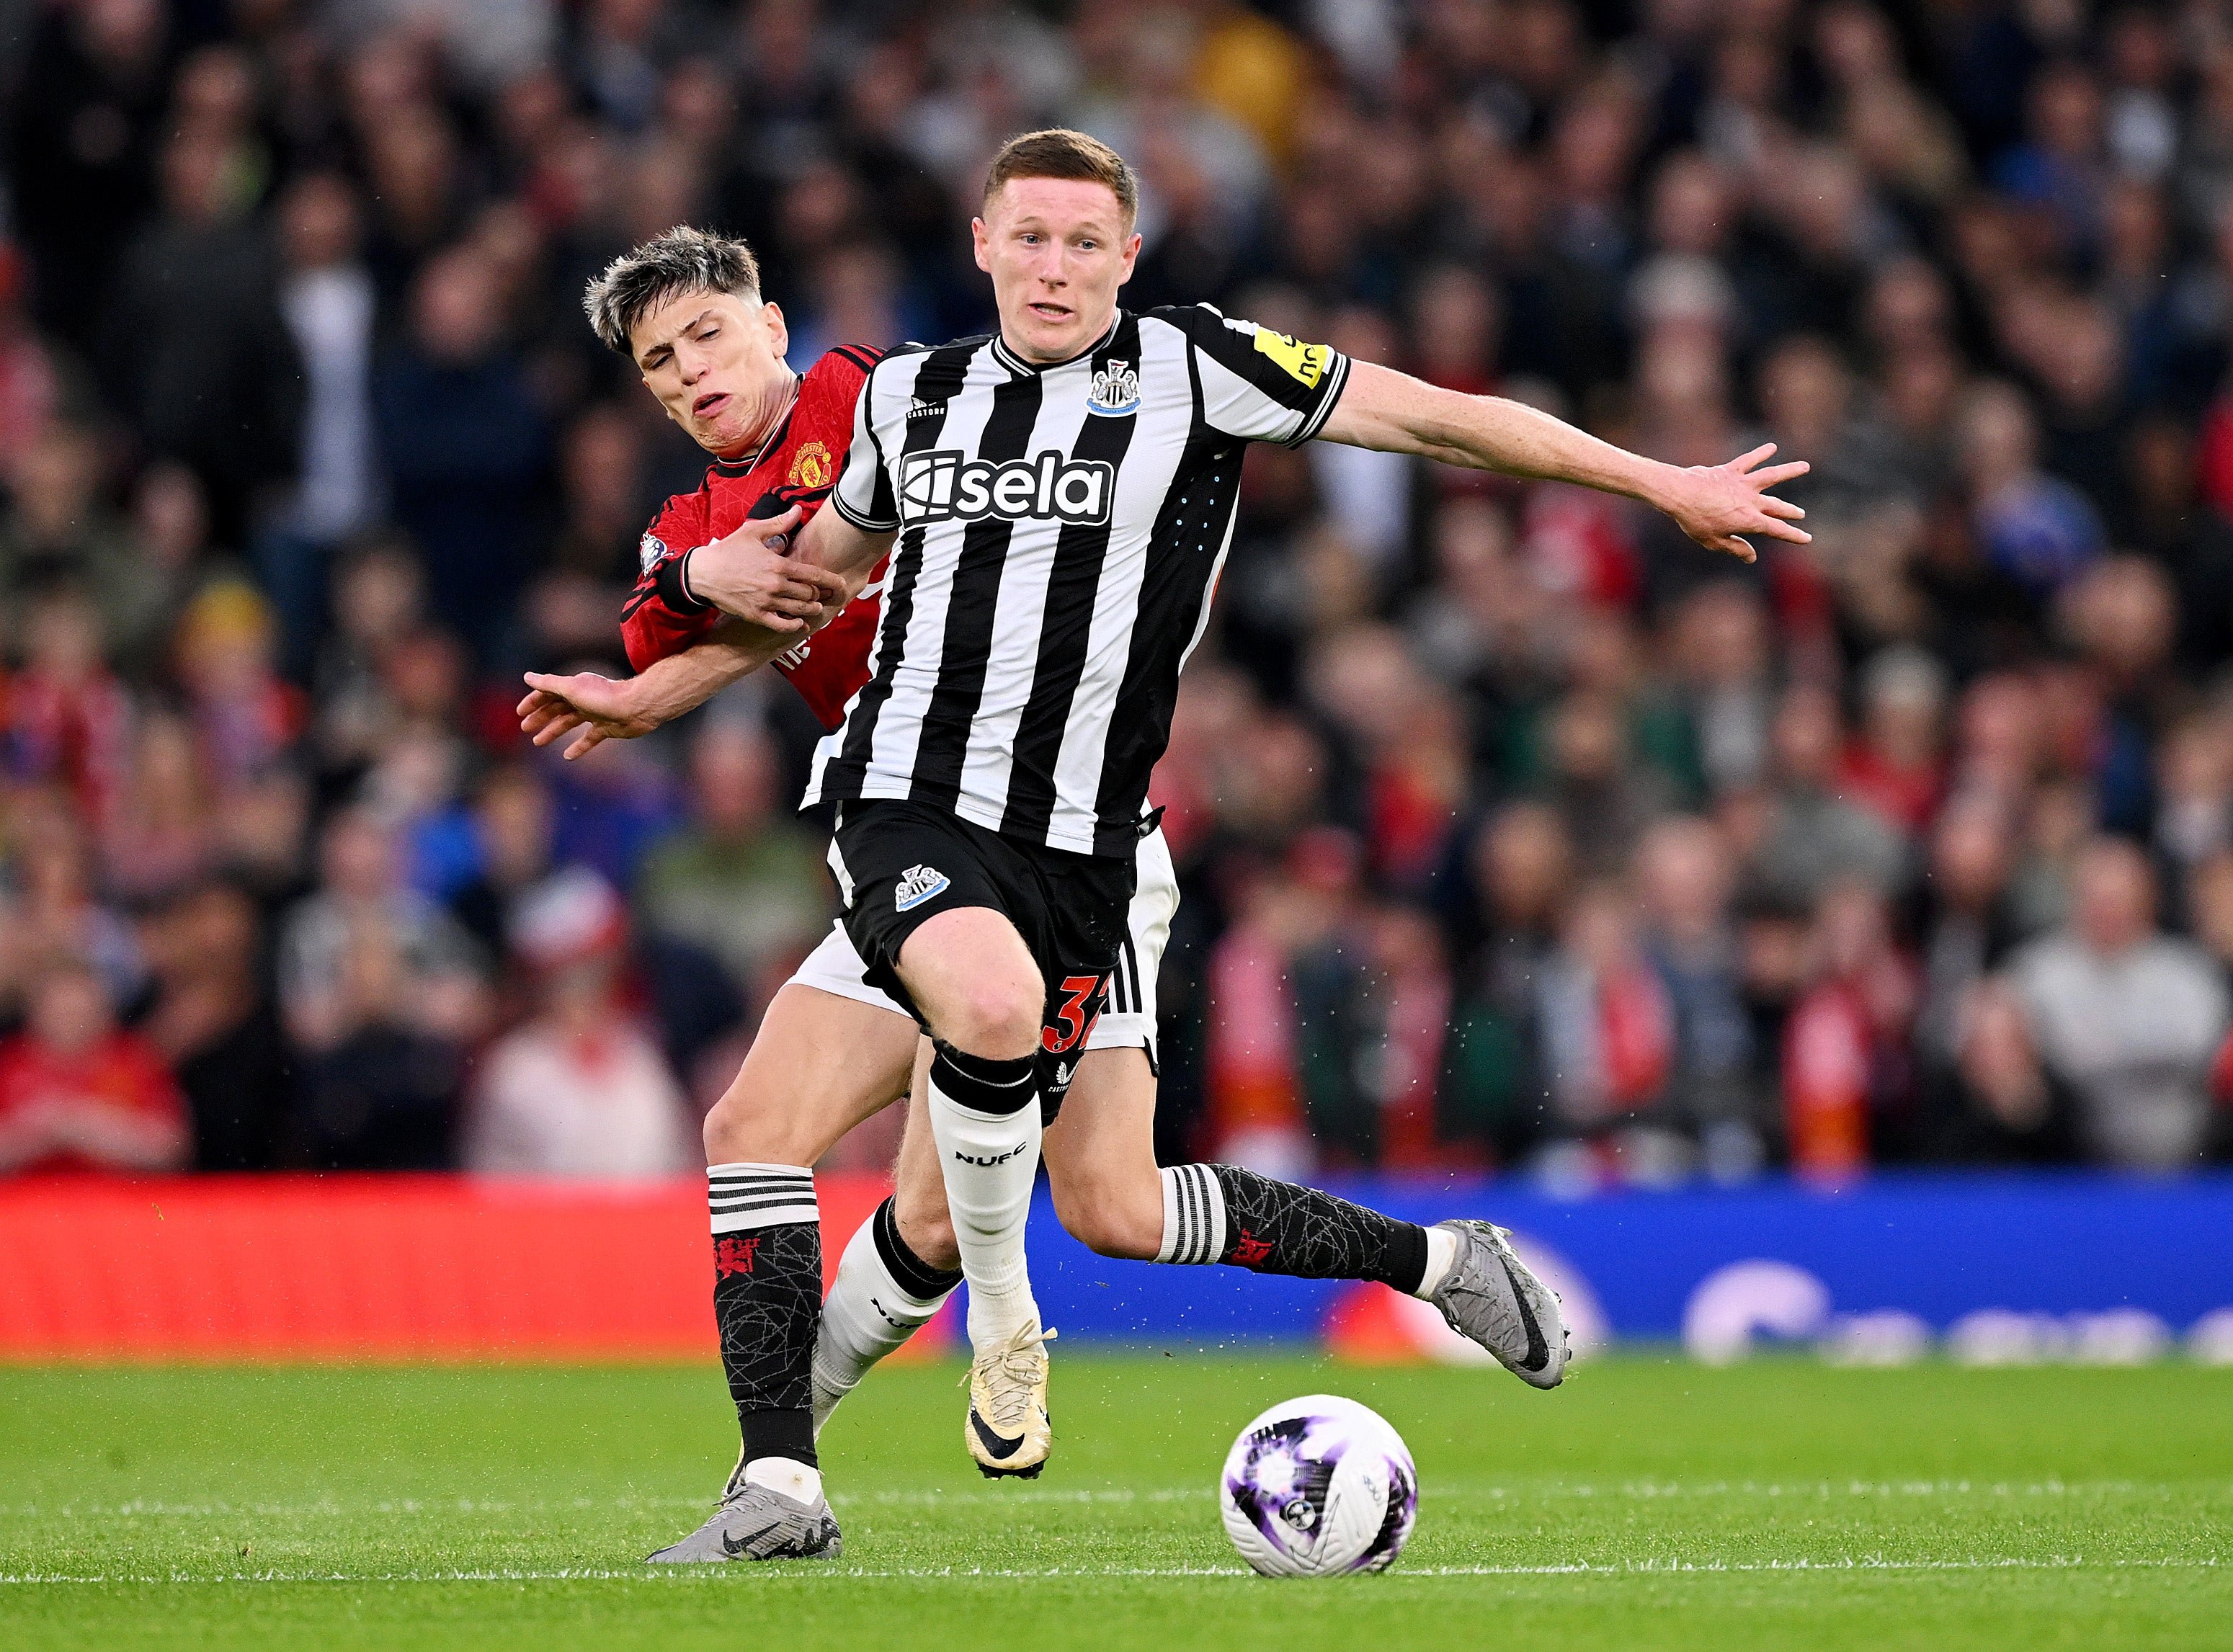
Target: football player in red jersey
[791, 468]
[713, 354]
[686, 307]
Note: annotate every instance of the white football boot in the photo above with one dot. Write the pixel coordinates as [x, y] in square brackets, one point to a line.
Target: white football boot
[1007, 1430]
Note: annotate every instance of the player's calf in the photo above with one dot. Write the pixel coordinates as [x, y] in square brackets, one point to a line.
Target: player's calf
[884, 1292]
[1113, 1217]
[984, 1118]
[767, 1304]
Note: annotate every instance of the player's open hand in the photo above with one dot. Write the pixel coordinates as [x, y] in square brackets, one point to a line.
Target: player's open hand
[752, 575]
[593, 709]
[1718, 505]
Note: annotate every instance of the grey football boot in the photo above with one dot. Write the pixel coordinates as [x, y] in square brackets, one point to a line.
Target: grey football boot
[758, 1522]
[1491, 1297]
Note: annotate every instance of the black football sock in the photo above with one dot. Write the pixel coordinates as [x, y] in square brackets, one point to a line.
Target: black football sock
[1219, 1213]
[767, 1303]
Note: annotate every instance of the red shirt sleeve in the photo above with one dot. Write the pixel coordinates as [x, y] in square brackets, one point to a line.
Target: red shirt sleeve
[654, 623]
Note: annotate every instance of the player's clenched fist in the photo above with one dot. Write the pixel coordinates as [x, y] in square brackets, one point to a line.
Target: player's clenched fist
[749, 574]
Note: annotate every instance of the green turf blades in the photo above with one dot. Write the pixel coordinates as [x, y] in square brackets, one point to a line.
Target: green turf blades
[1774, 1504]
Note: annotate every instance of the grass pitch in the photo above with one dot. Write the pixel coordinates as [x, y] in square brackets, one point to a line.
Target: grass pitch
[1648, 1504]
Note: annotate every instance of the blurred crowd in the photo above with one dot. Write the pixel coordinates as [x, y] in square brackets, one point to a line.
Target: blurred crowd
[1514, 831]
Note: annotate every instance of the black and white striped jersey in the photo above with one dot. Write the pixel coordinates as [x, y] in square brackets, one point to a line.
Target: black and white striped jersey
[1061, 530]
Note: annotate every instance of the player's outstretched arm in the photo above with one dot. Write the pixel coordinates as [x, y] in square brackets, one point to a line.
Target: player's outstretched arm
[595, 709]
[1715, 505]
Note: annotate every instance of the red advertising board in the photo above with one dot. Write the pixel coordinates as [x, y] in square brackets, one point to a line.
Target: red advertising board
[377, 1267]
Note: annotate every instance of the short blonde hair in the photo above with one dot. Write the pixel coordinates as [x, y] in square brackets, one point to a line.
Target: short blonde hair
[1060, 152]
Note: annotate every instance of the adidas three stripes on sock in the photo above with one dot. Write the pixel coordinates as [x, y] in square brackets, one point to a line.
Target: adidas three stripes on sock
[1221, 1213]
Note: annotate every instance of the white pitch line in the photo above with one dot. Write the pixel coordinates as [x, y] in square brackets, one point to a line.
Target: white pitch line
[1650, 1491]
[1579, 1568]
[334, 1508]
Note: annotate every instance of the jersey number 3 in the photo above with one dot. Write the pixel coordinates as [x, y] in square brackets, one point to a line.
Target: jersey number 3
[1074, 1020]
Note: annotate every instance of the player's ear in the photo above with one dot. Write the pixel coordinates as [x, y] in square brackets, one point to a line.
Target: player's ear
[778, 329]
[1131, 256]
[981, 239]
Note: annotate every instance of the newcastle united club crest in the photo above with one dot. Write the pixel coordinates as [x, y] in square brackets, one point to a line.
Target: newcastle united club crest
[1115, 391]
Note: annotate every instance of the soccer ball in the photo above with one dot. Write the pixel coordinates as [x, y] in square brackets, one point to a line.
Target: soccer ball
[1317, 1487]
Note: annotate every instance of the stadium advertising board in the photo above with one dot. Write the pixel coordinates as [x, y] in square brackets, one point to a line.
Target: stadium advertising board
[1987, 1269]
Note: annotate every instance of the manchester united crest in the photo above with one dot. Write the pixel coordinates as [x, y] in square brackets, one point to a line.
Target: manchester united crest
[810, 467]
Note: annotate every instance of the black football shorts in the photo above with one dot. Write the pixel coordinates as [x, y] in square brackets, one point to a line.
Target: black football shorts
[900, 864]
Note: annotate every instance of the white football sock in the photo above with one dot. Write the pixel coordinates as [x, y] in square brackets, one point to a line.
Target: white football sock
[867, 1315]
[793, 1480]
[1442, 1251]
[989, 1159]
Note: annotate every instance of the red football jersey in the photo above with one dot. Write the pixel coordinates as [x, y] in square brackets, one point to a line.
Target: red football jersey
[796, 465]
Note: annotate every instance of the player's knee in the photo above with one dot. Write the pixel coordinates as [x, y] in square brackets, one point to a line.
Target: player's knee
[994, 1018]
[728, 1135]
[742, 1129]
[1109, 1223]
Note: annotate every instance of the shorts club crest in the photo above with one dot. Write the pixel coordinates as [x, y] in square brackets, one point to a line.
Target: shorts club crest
[916, 884]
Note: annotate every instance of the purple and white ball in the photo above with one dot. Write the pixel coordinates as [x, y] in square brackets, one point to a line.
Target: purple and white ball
[1319, 1486]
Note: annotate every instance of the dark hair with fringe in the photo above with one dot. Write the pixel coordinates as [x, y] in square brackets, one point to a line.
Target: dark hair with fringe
[683, 260]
